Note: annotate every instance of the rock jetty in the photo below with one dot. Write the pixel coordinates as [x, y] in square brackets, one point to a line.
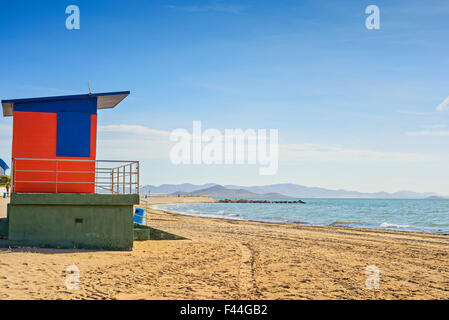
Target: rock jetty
[256, 201]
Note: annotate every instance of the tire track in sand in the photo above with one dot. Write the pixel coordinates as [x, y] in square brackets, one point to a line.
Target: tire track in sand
[247, 282]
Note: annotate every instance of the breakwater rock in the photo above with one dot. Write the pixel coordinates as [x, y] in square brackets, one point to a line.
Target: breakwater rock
[257, 201]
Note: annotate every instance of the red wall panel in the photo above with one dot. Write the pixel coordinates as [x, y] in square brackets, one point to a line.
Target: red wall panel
[34, 135]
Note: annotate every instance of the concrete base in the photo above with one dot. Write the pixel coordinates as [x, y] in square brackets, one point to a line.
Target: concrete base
[143, 232]
[3, 227]
[85, 221]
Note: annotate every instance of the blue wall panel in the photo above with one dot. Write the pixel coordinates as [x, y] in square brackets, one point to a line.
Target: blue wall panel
[76, 105]
[73, 134]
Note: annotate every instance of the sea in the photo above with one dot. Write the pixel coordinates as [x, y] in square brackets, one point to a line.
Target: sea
[422, 215]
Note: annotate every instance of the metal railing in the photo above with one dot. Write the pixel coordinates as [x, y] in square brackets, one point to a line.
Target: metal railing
[107, 176]
[117, 179]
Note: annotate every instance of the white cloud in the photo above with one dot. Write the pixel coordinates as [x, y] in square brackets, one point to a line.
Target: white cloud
[335, 153]
[5, 129]
[134, 129]
[443, 105]
[133, 149]
[429, 133]
[148, 143]
[434, 126]
[132, 142]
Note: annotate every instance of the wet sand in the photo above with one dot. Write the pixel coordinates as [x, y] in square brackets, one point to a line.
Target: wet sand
[230, 259]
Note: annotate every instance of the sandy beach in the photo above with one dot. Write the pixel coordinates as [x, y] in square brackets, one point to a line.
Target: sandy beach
[230, 259]
[3, 204]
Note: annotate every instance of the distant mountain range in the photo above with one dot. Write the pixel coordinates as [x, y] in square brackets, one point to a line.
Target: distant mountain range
[287, 190]
[170, 188]
[218, 191]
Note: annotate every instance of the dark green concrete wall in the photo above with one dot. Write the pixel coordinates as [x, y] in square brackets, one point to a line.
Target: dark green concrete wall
[3, 227]
[88, 221]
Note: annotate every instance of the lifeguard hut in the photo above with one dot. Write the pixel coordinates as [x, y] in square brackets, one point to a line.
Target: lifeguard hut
[62, 196]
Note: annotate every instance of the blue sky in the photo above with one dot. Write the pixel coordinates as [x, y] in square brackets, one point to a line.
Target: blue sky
[355, 108]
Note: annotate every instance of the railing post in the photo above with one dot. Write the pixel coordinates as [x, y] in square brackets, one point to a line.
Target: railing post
[138, 177]
[56, 176]
[13, 173]
[124, 177]
[130, 177]
[118, 181]
[96, 176]
[112, 183]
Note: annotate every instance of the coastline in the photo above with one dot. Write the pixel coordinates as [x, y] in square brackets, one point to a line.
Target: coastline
[235, 259]
[335, 224]
[303, 224]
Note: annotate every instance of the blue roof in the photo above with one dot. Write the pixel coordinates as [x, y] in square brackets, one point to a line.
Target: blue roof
[71, 97]
[3, 165]
[104, 100]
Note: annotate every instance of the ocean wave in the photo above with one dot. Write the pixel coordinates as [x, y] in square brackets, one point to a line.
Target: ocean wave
[392, 225]
[421, 216]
